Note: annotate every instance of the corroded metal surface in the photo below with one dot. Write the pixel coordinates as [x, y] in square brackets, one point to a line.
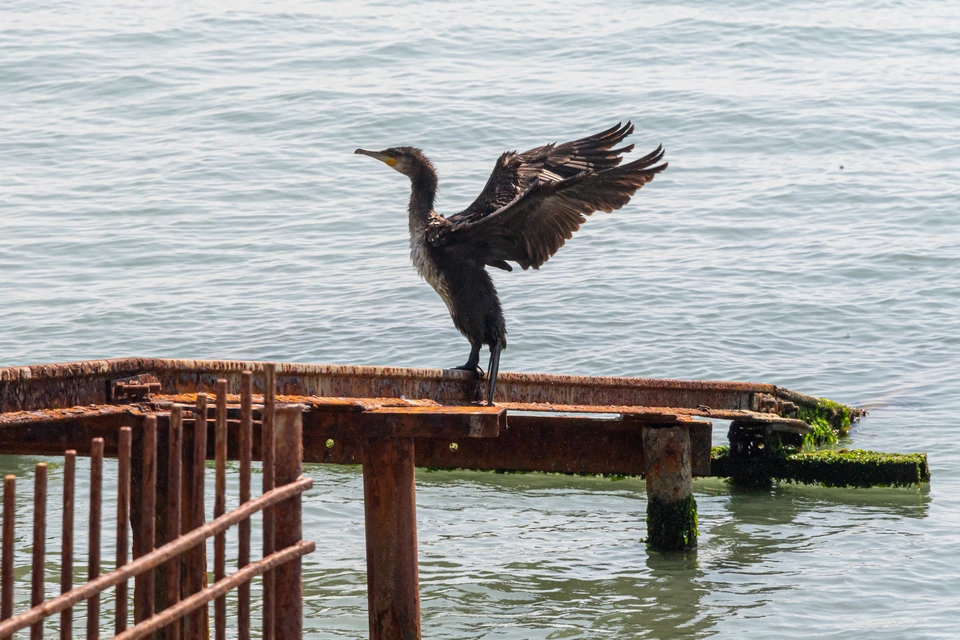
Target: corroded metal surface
[668, 472]
[346, 403]
[165, 554]
[531, 443]
[289, 522]
[45, 416]
[390, 518]
[92, 382]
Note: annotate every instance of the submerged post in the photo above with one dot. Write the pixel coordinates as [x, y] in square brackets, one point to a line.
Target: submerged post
[671, 508]
[389, 504]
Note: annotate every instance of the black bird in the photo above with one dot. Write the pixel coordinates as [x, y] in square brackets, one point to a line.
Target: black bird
[532, 203]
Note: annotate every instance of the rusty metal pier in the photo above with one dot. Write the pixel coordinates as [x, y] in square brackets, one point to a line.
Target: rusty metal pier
[392, 420]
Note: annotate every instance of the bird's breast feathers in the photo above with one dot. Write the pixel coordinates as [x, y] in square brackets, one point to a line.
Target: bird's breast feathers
[429, 270]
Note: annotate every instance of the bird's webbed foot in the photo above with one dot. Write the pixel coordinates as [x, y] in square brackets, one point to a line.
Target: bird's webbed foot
[473, 362]
[475, 369]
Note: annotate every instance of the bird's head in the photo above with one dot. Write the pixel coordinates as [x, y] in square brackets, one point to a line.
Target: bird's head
[409, 161]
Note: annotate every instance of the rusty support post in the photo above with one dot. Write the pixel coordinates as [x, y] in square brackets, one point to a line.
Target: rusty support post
[389, 504]
[267, 455]
[174, 440]
[159, 556]
[39, 543]
[161, 525]
[671, 508]
[66, 540]
[289, 526]
[245, 454]
[198, 621]
[123, 524]
[219, 508]
[93, 557]
[145, 583]
[9, 528]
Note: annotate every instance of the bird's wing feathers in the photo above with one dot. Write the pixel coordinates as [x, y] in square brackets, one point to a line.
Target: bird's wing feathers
[536, 223]
[515, 173]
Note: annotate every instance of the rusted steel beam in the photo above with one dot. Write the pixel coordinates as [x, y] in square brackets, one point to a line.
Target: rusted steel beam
[6, 564]
[198, 623]
[84, 383]
[267, 444]
[144, 588]
[93, 540]
[530, 443]
[194, 602]
[408, 422]
[154, 559]
[288, 523]
[377, 417]
[245, 445]
[426, 407]
[41, 438]
[219, 508]
[53, 438]
[68, 415]
[123, 523]
[162, 513]
[174, 457]
[605, 446]
[66, 540]
[39, 544]
[390, 519]
[671, 508]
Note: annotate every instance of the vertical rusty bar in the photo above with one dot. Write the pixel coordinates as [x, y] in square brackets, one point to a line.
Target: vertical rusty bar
[66, 544]
[39, 544]
[246, 451]
[219, 508]
[9, 527]
[135, 507]
[671, 507]
[93, 565]
[173, 507]
[123, 523]
[267, 455]
[161, 525]
[196, 564]
[145, 583]
[289, 526]
[390, 519]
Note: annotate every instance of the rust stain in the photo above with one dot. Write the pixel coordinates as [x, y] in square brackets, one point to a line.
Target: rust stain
[38, 386]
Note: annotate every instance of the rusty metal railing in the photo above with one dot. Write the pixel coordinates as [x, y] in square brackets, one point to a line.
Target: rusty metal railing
[169, 534]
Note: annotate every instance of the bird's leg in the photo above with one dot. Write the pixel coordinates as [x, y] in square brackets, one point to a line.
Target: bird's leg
[473, 362]
[492, 371]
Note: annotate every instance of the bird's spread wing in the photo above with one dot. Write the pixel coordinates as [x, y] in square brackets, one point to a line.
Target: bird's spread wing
[536, 222]
[515, 173]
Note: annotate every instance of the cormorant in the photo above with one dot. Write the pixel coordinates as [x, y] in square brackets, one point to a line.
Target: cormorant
[532, 203]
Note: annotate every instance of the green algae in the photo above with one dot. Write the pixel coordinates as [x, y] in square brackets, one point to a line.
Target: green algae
[822, 434]
[841, 468]
[672, 526]
[829, 420]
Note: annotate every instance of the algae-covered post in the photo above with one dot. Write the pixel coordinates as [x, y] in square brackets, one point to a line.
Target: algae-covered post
[671, 507]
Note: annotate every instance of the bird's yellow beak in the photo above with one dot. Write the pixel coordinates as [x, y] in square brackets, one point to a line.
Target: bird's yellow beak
[382, 157]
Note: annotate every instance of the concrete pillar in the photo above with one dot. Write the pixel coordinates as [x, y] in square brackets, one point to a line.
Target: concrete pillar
[671, 508]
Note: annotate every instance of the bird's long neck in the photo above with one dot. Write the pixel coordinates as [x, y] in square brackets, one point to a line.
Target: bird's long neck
[423, 191]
